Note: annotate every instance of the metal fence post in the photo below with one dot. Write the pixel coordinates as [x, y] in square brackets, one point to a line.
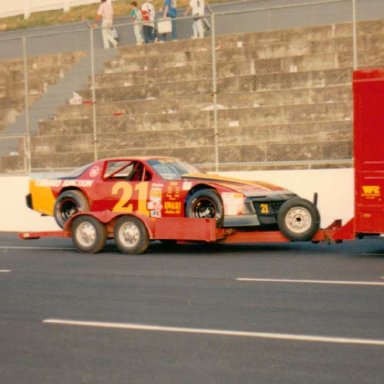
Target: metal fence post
[354, 34]
[214, 91]
[27, 156]
[95, 155]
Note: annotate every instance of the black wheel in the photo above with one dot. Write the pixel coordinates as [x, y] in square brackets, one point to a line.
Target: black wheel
[131, 235]
[206, 204]
[88, 234]
[298, 219]
[67, 204]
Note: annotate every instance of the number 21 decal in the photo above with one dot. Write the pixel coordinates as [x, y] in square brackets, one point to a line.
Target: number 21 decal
[127, 191]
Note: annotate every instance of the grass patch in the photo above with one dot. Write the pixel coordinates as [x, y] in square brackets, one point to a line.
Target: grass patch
[75, 14]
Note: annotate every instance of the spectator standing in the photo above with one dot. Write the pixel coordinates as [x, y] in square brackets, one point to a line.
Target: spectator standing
[148, 13]
[196, 7]
[137, 18]
[105, 13]
[169, 10]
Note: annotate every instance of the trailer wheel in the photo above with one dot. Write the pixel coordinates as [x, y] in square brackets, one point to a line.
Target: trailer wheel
[131, 235]
[67, 204]
[298, 219]
[88, 234]
[206, 204]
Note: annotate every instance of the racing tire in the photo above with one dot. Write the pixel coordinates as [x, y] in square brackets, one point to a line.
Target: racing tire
[206, 204]
[67, 204]
[298, 219]
[89, 235]
[131, 235]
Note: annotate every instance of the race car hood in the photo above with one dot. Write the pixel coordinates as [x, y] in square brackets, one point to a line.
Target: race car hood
[248, 188]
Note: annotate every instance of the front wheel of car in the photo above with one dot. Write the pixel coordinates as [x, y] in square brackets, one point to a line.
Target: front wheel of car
[298, 219]
[206, 204]
[67, 204]
[131, 235]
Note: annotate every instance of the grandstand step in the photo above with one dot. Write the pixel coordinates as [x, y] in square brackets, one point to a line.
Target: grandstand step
[173, 58]
[280, 152]
[252, 83]
[12, 164]
[286, 133]
[317, 111]
[52, 144]
[59, 160]
[128, 107]
[268, 135]
[285, 114]
[191, 72]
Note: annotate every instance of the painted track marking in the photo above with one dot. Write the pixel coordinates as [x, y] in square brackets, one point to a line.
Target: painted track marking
[37, 248]
[324, 282]
[216, 332]
[5, 270]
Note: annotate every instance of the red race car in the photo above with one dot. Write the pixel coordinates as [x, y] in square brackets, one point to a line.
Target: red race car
[167, 187]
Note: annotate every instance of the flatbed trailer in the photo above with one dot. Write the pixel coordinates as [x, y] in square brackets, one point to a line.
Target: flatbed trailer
[133, 232]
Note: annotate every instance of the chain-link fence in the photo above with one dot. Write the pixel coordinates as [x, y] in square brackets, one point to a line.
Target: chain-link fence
[267, 86]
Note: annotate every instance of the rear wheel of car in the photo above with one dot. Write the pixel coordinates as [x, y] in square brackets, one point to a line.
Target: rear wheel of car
[67, 204]
[88, 234]
[298, 219]
[131, 235]
[206, 204]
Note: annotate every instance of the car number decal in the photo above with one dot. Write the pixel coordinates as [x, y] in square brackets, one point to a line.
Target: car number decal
[264, 209]
[124, 205]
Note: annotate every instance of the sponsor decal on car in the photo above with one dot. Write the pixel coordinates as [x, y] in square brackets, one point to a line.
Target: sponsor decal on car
[173, 191]
[94, 172]
[63, 183]
[172, 207]
[233, 202]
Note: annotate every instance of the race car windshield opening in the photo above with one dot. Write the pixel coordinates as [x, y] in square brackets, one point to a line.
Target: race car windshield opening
[172, 170]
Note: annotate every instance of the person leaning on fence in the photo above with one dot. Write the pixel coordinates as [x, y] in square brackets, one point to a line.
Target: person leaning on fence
[196, 7]
[169, 10]
[137, 18]
[105, 13]
[148, 14]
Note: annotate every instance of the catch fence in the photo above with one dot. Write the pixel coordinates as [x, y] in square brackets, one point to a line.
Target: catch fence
[268, 87]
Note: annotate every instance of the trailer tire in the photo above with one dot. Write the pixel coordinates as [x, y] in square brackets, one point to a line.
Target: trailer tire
[89, 235]
[67, 204]
[206, 204]
[131, 235]
[298, 219]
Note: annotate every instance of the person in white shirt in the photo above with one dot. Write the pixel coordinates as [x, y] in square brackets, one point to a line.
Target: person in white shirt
[196, 7]
[148, 13]
[105, 13]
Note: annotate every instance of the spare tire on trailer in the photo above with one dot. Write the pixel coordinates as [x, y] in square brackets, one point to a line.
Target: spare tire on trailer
[298, 219]
[206, 204]
[67, 204]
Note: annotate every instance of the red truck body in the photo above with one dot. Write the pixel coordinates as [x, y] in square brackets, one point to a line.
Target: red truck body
[368, 90]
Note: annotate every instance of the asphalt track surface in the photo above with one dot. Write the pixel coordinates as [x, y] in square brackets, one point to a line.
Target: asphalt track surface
[272, 313]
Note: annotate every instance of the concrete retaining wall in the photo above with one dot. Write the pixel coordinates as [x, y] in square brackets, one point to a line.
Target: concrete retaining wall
[335, 188]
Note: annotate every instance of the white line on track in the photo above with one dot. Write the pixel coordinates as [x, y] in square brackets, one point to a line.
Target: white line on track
[5, 270]
[325, 282]
[217, 332]
[37, 248]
